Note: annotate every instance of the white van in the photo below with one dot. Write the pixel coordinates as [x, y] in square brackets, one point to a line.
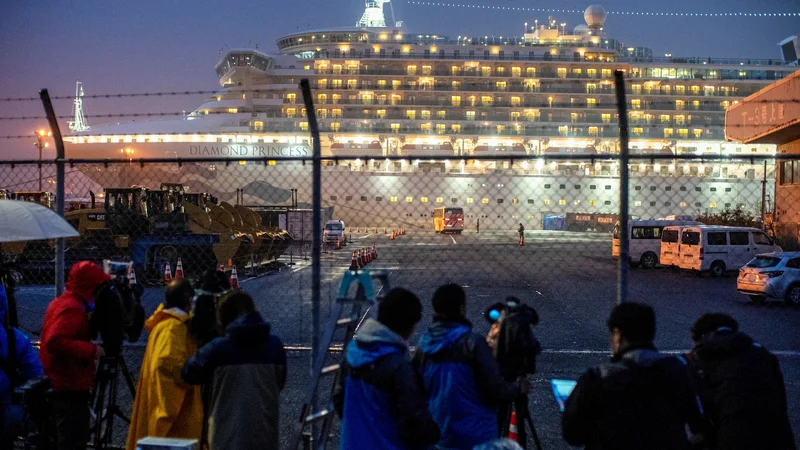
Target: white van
[671, 245]
[645, 240]
[717, 249]
[334, 230]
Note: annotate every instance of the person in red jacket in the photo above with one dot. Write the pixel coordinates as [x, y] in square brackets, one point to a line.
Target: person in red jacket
[68, 353]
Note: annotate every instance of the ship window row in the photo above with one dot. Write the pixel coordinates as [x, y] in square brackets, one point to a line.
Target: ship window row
[530, 201]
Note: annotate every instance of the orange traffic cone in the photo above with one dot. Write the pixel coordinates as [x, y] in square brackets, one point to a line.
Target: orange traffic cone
[376, 229]
[358, 230]
[349, 229]
[404, 231]
[179, 270]
[132, 277]
[392, 237]
[522, 241]
[354, 262]
[384, 230]
[167, 273]
[368, 255]
[230, 262]
[338, 243]
[512, 427]
[374, 252]
[234, 279]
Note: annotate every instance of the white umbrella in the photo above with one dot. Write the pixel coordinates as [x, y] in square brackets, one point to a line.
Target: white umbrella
[27, 221]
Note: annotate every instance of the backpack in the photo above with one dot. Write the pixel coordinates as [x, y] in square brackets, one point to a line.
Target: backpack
[517, 346]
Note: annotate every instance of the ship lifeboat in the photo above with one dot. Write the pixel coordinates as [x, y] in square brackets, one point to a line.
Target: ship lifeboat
[357, 150]
[497, 150]
[445, 149]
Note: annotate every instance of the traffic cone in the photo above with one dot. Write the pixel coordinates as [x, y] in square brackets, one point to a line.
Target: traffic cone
[230, 262]
[368, 255]
[359, 259]
[179, 270]
[376, 229]
[132, 277]
[167, 273]
[384, 230]
[392, 237]
[354, 262]
[374, 252]
[349, 229]
[522, 241]
[512, 427]
[234, 279]
[358, 230]
[338, 243]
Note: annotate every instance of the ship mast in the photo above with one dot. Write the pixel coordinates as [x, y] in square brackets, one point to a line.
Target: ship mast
[79, 121]
[373, 15]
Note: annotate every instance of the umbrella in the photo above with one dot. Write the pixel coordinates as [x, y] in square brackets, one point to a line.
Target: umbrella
[27, 221]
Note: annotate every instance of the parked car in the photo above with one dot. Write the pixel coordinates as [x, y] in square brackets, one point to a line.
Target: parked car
[671, 245]
[717, 249]
[771, 275]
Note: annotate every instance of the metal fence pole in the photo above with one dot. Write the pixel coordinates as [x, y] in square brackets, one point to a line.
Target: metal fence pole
[624, 259]
[316, 228]
[51, 118]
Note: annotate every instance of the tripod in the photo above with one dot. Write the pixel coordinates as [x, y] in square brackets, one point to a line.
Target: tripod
[520, 405]
[104, 399]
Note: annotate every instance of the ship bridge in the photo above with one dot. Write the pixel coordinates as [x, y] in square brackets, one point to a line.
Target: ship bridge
[237, 59]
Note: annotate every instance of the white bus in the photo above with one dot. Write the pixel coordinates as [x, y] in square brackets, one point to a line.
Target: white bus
[644, 240]
[718, 249]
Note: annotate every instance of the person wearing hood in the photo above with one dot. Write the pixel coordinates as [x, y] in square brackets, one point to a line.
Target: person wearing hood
[246, 370]
[204, 324]
[19, 362]
[166, 406]
[379, 396]
[641, 399]
[461, 375]
[68, 353]
[741, 387]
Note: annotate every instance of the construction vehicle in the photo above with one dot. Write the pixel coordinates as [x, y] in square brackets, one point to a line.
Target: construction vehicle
[266, 243]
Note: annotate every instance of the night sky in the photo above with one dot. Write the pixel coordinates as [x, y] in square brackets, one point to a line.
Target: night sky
[162, 45]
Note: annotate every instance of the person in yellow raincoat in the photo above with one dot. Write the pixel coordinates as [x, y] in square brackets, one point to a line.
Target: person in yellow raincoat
[166, 406]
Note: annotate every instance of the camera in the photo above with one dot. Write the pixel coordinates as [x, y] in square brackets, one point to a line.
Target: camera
[118, 314]
[511, 337]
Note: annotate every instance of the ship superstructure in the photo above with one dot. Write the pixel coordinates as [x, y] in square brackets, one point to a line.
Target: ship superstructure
[382, 91]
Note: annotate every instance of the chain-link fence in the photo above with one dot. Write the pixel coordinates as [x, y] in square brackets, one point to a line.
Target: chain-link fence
[495, 224]
[253, 215]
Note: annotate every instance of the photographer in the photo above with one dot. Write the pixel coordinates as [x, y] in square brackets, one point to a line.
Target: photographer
[19, 363]
[515, 347]
[461, 377]
[118, 314]
[68, 354]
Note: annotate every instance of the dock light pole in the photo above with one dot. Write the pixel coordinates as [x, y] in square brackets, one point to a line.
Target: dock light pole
[41, 144]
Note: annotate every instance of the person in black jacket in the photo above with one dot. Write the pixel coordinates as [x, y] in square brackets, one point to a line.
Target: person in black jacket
[204, 327]
[641, 399]
[379, 396]
[246, 370]
[741, 387]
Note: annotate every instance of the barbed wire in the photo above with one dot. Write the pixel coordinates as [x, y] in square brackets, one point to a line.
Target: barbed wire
[114, 95]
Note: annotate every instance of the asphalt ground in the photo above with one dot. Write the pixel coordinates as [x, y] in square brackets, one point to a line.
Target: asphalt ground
[569, 278]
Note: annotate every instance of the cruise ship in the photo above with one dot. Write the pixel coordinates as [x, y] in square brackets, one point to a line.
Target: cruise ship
[447, 106]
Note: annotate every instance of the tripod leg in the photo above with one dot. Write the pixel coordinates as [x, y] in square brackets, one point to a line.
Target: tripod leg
[520, 406]
[535, 435]
[503, 417]
[128, 377]
[98, 404]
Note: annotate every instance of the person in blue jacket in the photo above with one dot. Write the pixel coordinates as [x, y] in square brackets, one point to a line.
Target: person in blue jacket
[379, 396]
[461, 376]
[14, 372]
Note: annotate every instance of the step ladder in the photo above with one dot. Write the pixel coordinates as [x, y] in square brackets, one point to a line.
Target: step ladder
[314, 426]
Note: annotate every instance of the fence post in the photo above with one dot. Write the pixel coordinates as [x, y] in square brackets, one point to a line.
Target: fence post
[316, 228]
[623, 263]
[53, 121]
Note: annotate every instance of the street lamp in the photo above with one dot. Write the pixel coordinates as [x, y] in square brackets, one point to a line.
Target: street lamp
[127, 151]
[563, 28]
[40, 144]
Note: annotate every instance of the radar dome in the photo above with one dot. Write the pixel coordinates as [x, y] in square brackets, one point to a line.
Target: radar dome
[595, 16]
[581, 30]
